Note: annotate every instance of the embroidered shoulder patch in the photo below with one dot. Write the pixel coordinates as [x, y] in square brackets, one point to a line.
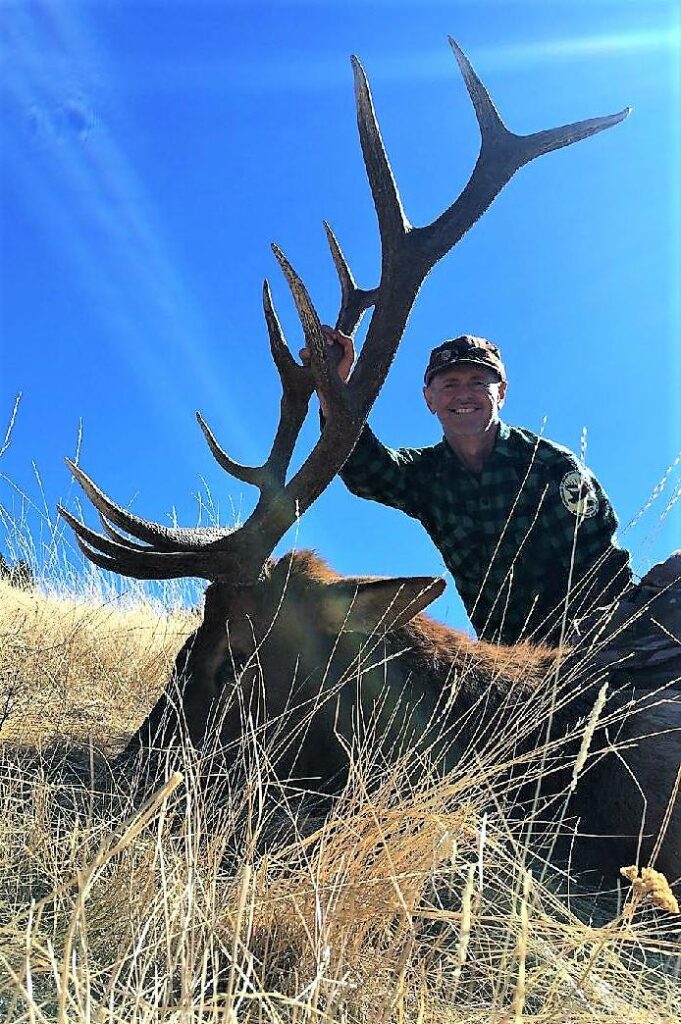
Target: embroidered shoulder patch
[578, 494]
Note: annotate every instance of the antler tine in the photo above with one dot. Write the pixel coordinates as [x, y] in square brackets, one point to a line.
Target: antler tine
[286, 365]
[247, 474]
[210, 551]
[130, 559]
[547, 141]
[113, 534]
[488, 117]
[297, 389]
[326, 380]
[502, 153]
[354, 301]
[493, 131]
[114, 545]
[392, 222]
[151, 568]
[161, 538]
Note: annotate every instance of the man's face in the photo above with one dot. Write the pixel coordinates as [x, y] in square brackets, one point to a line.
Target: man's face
[466, 399]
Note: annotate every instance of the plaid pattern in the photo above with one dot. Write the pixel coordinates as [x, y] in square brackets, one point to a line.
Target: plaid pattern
[509, 536]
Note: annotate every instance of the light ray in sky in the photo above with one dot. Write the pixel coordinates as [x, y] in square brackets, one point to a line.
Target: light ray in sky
[99, 184]
[316, 72]
[666, 39]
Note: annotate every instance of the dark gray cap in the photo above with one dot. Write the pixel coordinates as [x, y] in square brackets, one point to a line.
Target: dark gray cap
[465, 349]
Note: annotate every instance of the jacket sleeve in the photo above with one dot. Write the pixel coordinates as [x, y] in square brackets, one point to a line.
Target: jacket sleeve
[582, 524]
[380, 473]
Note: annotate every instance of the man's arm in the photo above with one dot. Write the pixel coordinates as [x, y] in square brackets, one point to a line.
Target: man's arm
[380, 473]
[582, 525]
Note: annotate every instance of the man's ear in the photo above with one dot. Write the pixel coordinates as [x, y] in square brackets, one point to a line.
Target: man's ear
[427, 398]
[367, 605]
[502, 392]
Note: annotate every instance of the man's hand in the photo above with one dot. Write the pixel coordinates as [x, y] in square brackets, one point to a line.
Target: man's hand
[343, 356]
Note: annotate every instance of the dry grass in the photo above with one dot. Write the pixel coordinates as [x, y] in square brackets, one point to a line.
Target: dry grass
[405, 904]
[82, 670]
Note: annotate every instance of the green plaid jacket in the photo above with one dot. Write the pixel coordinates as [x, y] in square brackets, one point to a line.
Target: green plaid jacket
[529, 540]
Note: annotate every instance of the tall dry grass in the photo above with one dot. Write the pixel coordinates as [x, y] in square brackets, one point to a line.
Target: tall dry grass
[128, 897]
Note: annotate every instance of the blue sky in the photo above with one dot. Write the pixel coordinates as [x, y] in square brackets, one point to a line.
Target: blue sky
[152, 151]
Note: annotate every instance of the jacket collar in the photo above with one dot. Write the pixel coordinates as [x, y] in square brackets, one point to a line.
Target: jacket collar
[503, 445]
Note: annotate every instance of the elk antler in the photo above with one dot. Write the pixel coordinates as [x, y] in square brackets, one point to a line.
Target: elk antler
[407, 255]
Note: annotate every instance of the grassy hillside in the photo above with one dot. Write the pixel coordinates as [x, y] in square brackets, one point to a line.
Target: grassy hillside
[129, 898]
[85, 670]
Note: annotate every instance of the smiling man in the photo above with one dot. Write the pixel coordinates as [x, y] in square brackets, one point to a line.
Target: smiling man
[525, 529]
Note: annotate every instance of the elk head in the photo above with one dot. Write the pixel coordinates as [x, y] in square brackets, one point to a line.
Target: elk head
[237, 561]
[301, 657]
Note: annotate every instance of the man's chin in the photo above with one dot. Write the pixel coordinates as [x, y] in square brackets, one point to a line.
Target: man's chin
[460, 427]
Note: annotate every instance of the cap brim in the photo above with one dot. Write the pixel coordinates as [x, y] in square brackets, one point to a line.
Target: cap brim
[459, 362]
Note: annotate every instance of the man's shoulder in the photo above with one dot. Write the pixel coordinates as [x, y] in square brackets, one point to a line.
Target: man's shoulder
[427, 455]
[547, 453]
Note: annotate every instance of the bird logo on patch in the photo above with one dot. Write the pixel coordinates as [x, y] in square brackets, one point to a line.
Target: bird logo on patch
[578, 494]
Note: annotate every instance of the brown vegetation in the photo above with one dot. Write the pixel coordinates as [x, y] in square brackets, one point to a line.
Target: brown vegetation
[406, 903]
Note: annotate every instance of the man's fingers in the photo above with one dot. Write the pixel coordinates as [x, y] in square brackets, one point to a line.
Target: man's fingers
[335, 337]
[330, 335]
[342, 359]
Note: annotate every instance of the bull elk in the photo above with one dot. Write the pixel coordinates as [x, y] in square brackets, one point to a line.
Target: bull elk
[314, 659]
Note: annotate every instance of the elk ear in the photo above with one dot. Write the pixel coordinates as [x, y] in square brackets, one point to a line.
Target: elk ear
[366, 605]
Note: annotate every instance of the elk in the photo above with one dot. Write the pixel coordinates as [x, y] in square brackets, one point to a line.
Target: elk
[333, 655]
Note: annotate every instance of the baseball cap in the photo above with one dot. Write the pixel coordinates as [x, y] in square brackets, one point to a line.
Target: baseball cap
[465, 349]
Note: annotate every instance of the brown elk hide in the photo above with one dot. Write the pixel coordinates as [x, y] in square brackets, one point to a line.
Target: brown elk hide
[306, 650]
[318, 664]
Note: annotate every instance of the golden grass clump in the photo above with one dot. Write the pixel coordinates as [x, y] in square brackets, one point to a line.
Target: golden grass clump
[86, 670]
[124, 900]
[651, 885]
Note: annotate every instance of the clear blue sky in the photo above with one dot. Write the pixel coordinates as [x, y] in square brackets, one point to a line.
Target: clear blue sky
[152, 151]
